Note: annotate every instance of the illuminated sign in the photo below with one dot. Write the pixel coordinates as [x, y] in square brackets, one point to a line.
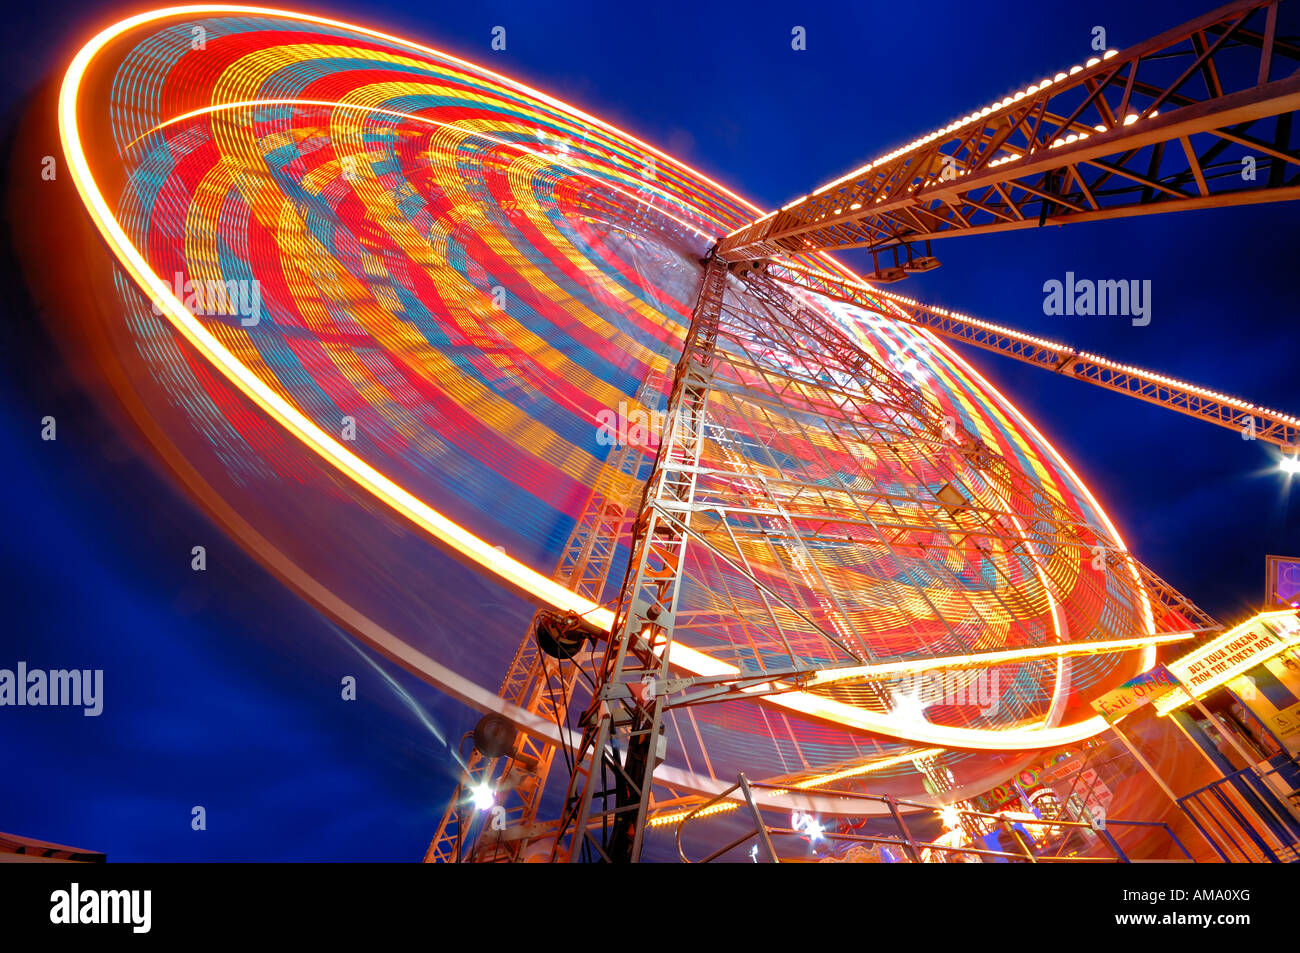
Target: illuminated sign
[1236, 651]
[1137, 691]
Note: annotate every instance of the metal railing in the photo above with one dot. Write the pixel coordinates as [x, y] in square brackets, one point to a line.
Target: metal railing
[920, 851]
[1229, 803]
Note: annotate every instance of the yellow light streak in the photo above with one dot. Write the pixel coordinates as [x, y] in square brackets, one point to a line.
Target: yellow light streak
[1287, 637]
[809, 783]
[431, 521]
[998, 657]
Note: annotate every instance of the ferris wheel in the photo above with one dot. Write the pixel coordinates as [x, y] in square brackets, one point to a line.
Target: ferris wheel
[504, 390]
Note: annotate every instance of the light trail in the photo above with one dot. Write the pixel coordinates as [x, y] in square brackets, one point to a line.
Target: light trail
[454, 536]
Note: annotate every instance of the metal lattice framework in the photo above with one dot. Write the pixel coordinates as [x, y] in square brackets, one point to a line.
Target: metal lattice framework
[618, 783]
[541, 685]
[472, 273]
[1161, 126]
[769, 359]
[751, 543]
[1270, 426]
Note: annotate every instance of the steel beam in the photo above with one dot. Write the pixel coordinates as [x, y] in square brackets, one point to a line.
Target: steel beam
[622, 729]
[1270, 426]
[1161, 126]
[543, 686]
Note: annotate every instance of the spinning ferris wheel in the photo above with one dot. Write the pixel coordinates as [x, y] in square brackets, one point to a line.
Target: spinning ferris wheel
[749, 511]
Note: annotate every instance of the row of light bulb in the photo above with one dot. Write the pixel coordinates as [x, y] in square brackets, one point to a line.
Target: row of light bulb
[958, 124]
[952, 127]
[1001, 160]
[1094, 358]
[1183, 385]
[1073, 137]
[1009, 157]
[986, 325]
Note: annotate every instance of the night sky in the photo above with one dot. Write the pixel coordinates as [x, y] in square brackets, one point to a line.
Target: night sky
[224, 692]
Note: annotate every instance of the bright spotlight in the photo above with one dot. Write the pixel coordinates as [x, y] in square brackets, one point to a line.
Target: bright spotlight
[483, 796]
[1290, 464]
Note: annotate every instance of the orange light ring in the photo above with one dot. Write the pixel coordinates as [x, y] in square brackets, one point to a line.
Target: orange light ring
[426, 517]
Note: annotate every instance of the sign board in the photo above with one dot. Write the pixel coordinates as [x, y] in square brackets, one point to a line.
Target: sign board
[1137, 691]
[1282, 581]
[1239, 649]
[1285, 724]
[1272, 692]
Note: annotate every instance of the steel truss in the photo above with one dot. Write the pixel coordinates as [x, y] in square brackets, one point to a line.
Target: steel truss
[809, 503]
[541, 685]
[749, 541]
[613, 784]
[811, 779]
[993, 503]
[1270, 426]
[623, 739]
[1164, 125]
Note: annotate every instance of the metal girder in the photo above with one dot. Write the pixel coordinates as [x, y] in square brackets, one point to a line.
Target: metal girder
[1270, 426]
[609, 788]
[1159, 127]
[738, 482]
[542, 685]
[798, 328]
[805, 780]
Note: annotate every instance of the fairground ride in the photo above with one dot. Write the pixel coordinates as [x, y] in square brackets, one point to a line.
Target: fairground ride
[373, 301]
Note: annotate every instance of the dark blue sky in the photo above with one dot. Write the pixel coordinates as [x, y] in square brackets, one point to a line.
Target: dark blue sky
[234, 703]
